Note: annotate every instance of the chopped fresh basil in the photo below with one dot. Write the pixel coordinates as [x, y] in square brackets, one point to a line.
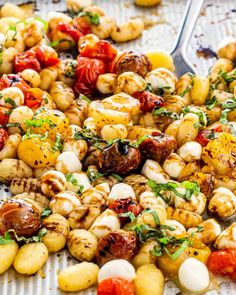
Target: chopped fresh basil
[211, 103]
[164, 112]
[128, 214]
[58, 145]
[46, 212]
[94, 18]
[70, 177]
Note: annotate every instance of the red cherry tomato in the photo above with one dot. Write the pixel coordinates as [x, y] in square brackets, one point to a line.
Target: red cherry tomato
[148, 100]
[4, 115]
[32, 99]
[87, 73]
[13, 80]
[46, 55]
[223, 262]
[69, 30]
[26, 60]
[125, 205]
[100, 50]
[82, 25]
[116, 286]
[3, 137]
[205, 136]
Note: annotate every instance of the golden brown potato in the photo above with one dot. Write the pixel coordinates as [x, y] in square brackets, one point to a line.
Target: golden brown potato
[21, 185]
[7, 255]
[53, 182]
[144, 255]
[188, 219]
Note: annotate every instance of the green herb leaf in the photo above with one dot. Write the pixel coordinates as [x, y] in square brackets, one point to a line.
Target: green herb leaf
[71, 178]
[128, 214]
[186, 91]
[10, 101]
[229, 104]
[33, 239]
[224, 116]
[200, 228]
[164, 112]
[58, 42]
[6, 239]
[179, 251]
[118, 177]
[82, 96]
[58, 145]
[201, 115]
[94, 18]
[211, 103]
[46, 212]
[39, 123]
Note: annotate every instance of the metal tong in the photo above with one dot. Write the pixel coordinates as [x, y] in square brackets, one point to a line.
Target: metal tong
[179, 51]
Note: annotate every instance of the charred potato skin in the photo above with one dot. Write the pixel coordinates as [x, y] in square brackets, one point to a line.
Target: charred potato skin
[118, 244]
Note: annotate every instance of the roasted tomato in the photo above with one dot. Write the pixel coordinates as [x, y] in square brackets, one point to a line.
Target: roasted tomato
[120, 158]
[81, 25]
[125, 205]
[223, 262]
[100, 50]
[115, 286]
[158, 146]
[3, 137]
[133, 62]
[33, 99]
[87, 73]
[26, 60]
[46, 55]
[4, 115]
[19, 215]
[118, 244]
[205, 136]
[206, 182]
[148, 100]
[69, 30]
[13, 80]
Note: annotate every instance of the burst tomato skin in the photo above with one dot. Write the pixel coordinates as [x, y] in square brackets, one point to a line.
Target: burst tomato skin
[223, 262]
[13, 80]
[32, 99]
[203, 136]
[26, 60]
[148, 100]
[3, 137]
[69, 30]
[4, 117]
[82, 25]
[87, 72]
[100, 50]
[46, 55]
[115, 286]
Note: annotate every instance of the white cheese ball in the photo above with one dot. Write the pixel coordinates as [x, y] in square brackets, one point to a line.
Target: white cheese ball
[121, 191]
[67, 162]
[152, 170]
[173, 165]
[118, 268]
[105, 223]
[161, 79]
[78, 181]
[193, 275]
[190, 151]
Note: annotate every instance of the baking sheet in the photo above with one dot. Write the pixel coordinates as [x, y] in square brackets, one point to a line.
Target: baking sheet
[217, 20]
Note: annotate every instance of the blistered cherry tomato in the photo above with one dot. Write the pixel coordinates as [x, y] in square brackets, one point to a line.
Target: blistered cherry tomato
[33, 99]
[82, 25]
[26, 60]
[205, 136]
[87, 72]
[4, 115]
[223, 262]
[13, 80]
[69, 30]
[100, 50]
[115, 286]
[3, 137]
[46, 55]
[148, 100]
[125, 205]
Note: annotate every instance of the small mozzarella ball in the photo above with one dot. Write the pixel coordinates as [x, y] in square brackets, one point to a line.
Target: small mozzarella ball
[105, 223]
[222, 203]
[118, 268]
[78, 147]
[110, 132]
[161, 79]
[227, 239]
[53, 182]
[31, 77]
[11, 93]
[19, 115]
[130, 82]
[78, 181]
[121, 191]
[193, 275]
[150, 200]
[77, 5]
[190, 151]
[64, 203]
[178, 227]
[82, 244]
[89, 39]
[173, 165]
[106, 83]
[67, 162]
[152, 170]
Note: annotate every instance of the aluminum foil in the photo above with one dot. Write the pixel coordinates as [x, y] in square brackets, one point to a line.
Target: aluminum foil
[218, 19]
